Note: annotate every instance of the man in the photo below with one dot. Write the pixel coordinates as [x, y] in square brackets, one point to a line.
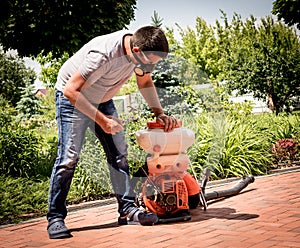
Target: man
[85, 87]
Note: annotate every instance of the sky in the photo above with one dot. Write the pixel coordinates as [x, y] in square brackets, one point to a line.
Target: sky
[184, 12]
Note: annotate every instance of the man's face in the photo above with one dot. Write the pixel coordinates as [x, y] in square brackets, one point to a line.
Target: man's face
[145, 62]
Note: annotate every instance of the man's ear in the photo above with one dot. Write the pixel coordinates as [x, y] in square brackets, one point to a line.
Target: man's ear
[136, 49]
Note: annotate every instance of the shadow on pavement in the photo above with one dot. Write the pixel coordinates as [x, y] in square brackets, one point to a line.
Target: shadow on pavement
[87, 228]
[220, 213]
[197, 215]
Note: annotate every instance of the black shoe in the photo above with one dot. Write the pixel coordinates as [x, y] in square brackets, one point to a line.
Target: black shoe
[147, 219]
[57, 229]
[122, 220]
[138, 216]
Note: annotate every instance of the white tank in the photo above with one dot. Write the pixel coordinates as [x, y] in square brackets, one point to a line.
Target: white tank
[157, 142]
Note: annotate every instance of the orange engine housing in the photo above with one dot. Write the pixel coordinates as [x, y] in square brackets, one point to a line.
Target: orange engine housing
[168, 194]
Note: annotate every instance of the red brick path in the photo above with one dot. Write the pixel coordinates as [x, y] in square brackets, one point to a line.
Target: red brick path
[265, 214]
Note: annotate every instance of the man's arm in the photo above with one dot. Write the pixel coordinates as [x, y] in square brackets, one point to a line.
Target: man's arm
[148, 91]
[72, 91]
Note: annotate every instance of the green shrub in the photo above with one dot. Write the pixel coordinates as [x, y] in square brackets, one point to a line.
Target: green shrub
[18, 144]
[133, 123]
[22, 198]
[47, 154]
[229, 147]
[285, 126]
[46, 126]
[245, 152]
[19, 151]
[13, 76]
[23, 151]
[277, 127]
[91, 179]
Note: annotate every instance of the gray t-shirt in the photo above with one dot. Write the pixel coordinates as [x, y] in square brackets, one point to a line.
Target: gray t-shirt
[102, 63]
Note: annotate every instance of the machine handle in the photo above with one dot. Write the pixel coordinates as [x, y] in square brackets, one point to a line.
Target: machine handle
[154, 124]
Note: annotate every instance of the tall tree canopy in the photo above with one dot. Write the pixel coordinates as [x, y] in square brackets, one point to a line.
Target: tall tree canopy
[31, 26]
[262, 58]
[288, 10]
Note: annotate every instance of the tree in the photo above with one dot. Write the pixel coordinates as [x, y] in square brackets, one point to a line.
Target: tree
[264, 59]
[156, 20]
[29, 104]
[261, 58]
[288, 10]
[200, 48]
[31, 26]
[50, 67]
[13, 76]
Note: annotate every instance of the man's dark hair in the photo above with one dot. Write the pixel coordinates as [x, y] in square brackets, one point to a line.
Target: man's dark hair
[151, 39]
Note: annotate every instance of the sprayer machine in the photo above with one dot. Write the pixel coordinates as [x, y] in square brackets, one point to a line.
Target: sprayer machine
[170, 190]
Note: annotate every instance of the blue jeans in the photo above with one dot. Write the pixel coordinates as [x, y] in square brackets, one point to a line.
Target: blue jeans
[72, 126]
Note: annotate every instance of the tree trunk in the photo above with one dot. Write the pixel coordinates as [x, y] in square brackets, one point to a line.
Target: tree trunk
[271, 103]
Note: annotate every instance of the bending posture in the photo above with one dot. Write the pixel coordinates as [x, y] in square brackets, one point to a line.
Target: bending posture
[85, 87]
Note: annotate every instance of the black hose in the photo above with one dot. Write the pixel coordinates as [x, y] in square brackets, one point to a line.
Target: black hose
[243, 183]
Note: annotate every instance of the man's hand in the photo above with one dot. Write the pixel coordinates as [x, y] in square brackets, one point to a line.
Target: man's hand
[168, 121]
[111, 125]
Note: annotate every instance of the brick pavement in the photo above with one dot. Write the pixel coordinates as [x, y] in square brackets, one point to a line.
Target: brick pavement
[265, 214]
